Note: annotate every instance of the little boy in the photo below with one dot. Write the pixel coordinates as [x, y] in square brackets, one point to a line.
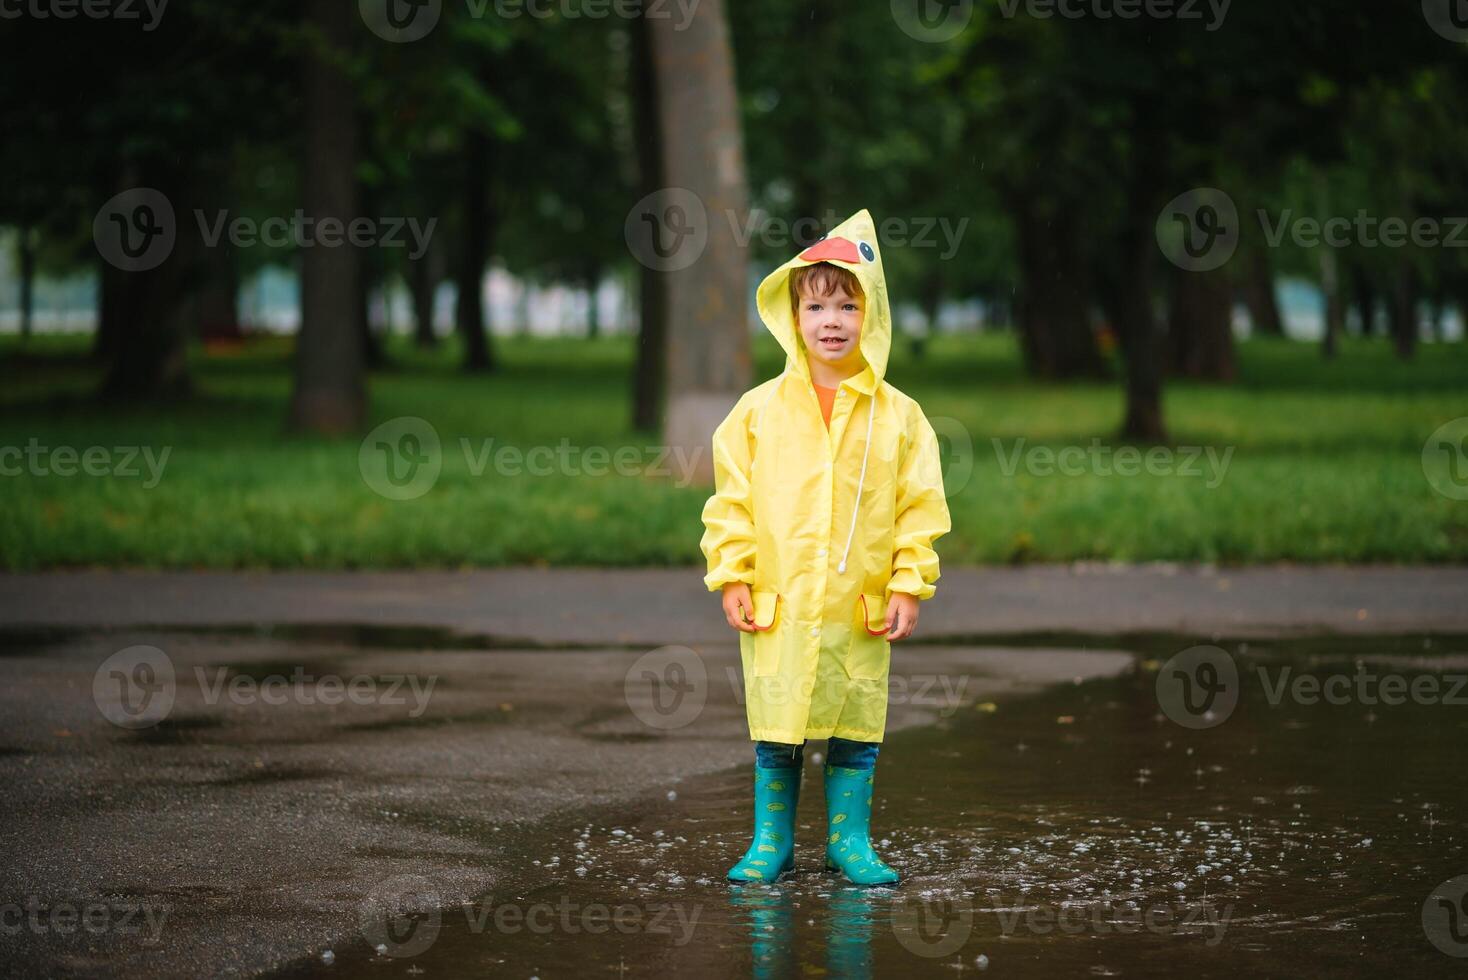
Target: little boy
[820, 534]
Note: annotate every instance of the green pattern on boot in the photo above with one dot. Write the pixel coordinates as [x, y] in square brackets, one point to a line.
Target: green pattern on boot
[848, 827]
[772, 853]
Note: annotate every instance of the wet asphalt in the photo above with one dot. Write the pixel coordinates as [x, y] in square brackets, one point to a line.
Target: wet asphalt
[325, 734]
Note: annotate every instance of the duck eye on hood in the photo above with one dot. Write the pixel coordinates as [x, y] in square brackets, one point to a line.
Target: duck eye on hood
[867, 252]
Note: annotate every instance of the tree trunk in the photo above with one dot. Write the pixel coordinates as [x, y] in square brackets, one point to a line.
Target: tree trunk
[218, 316]
[149, 360]
[593, 315]
[1131, 295]
[1200, 335]
[110, 316]
[1365, 298]
[146, 337]
[931, 298]
[649, 373]
[1053, 311]
[1437, 308]
[330, 379]
[27, 280]
[1403, 311]
[1259, 295]
[367, 279]
[1335, 307]
[423, 277]
[1460, 299]
[369, 276]
[474, 255]
[709, 361]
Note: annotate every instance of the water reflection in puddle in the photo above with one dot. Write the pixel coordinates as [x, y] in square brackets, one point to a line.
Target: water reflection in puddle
[1077, 832]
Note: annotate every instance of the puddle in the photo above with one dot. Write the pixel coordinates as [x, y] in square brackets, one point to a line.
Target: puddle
[1080, 831]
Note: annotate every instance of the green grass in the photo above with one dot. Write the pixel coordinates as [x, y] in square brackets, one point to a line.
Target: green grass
[1326, 464]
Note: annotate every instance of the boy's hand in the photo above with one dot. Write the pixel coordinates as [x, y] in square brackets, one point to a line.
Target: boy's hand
[902, 615]
[739, 607]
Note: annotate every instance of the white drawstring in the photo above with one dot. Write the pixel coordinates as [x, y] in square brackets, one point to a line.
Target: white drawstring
[856, 504]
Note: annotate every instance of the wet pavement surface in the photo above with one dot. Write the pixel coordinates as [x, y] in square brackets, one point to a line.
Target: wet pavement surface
[242, 819]
[1132, 825]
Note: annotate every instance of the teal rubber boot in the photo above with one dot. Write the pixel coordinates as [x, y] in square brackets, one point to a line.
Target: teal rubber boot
[848, 827]
[772, 854]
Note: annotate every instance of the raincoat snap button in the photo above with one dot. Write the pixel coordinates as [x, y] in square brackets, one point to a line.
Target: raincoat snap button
[815, 631]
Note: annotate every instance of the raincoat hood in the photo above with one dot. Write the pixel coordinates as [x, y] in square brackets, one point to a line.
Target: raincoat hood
[851, 245]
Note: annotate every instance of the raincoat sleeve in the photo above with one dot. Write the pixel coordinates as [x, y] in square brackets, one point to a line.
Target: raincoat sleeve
[728, 516]
[922, 513]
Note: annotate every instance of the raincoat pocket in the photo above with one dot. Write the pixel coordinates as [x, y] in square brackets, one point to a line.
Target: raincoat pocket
[869, 648]
[766, 647]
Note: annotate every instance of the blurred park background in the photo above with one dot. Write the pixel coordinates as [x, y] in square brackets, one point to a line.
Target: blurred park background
[1231, 236]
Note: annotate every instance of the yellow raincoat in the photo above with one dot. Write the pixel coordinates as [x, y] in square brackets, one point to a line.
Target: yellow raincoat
[824, 525]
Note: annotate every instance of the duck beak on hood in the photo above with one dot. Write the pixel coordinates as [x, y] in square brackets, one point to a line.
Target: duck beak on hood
[850, 245]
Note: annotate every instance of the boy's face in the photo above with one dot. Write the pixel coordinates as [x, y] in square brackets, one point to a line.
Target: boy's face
[831, 327]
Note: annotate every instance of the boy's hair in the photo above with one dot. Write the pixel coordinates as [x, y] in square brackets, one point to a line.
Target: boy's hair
[821, 279]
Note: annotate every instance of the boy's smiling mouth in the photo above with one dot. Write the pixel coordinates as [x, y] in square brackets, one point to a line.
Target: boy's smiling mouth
[833, 343]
